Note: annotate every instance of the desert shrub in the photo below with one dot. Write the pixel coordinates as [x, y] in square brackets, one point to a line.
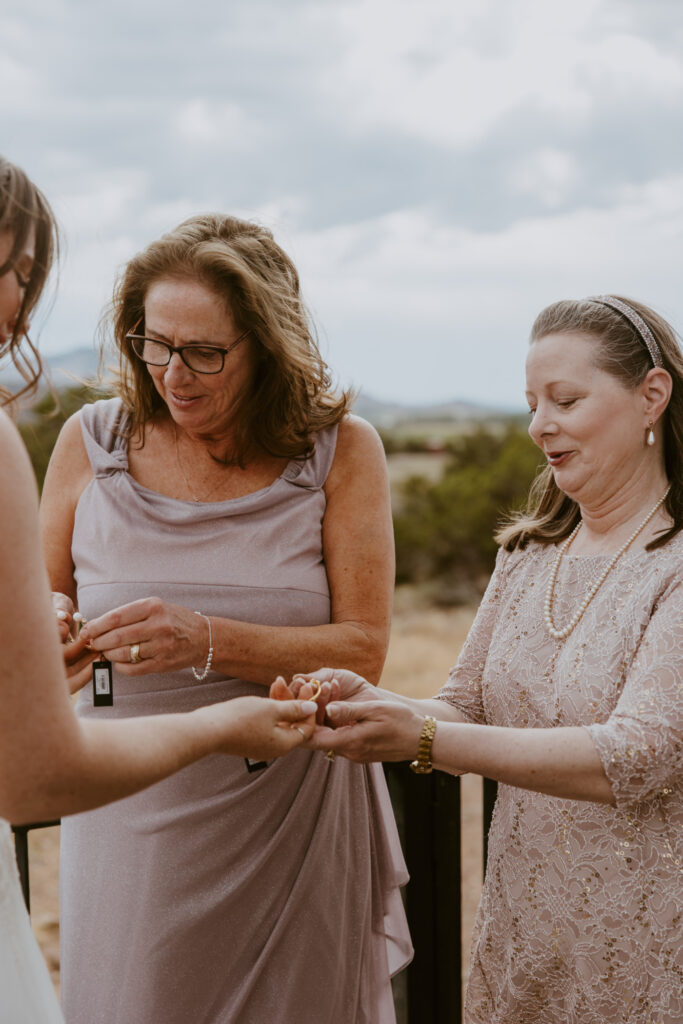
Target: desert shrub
[444, 530]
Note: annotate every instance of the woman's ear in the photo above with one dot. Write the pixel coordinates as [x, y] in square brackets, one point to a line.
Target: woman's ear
[656, 391]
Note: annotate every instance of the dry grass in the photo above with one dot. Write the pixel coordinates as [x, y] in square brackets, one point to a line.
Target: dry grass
[425, 642]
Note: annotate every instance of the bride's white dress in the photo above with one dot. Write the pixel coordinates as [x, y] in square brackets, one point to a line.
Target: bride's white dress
[26, 992]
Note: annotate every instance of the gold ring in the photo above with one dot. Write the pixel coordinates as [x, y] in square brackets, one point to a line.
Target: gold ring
[330, 755]
[299, 729]
[135, 658]
[315, 682]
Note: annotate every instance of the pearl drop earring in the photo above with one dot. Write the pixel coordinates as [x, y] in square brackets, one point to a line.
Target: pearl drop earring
[650, 439]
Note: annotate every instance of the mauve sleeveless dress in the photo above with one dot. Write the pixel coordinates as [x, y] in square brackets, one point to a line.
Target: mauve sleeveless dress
[221, 896]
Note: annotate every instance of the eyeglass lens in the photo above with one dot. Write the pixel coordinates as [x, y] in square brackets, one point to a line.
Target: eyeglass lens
[158, 353]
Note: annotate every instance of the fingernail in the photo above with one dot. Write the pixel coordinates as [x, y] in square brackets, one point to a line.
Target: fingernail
[61, 615]
[309, 707]
[332, 710]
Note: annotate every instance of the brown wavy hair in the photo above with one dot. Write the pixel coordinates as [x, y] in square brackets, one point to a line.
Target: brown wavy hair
[291, 397]
[551, 515]
[22, 207]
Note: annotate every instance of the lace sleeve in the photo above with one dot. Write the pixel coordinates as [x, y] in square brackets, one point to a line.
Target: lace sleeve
[463, 688]
[641, 743]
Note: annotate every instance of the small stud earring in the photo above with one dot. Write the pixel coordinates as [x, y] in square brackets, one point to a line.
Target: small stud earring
[650, 438]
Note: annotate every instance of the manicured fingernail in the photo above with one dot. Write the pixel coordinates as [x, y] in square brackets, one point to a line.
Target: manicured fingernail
[61, 615]
[332, 710]
[308, 707]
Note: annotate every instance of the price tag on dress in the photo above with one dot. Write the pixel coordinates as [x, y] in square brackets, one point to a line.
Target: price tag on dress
[102, 683]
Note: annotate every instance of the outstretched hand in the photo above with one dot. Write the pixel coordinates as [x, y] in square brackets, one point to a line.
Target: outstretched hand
[261, 729]
[371, 730]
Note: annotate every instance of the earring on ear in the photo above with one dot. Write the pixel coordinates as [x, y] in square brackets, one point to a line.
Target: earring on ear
[650, 437]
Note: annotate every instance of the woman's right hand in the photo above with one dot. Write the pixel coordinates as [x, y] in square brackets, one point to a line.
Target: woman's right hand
[261, 728]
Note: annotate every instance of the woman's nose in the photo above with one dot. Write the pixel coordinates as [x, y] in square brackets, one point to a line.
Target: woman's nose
[541, 425]
[176, 369]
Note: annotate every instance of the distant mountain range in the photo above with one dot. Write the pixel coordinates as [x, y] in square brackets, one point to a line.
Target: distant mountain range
[70, 368]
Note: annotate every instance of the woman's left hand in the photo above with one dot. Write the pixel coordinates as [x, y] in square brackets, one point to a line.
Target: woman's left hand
[165, 637]
[370, 731]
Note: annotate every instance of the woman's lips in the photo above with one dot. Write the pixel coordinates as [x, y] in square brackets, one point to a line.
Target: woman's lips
[181, 401]
[558, 458]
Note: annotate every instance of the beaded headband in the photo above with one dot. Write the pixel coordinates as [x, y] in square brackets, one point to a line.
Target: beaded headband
[636, 321]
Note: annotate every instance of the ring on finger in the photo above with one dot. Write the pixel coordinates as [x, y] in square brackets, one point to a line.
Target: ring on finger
[135, 658]
[299, 729]
[330, 755]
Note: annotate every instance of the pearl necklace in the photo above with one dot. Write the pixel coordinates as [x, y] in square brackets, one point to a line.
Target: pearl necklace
[562, 634]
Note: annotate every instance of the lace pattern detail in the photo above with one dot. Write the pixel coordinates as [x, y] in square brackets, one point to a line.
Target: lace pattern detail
[581, 916]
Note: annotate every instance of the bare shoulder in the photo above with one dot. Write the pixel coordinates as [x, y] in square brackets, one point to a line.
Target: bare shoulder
[16, 473]
[69, 467]
[359, 452]
[18, 490]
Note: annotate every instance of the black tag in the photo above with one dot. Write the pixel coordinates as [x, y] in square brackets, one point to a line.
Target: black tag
[102, 684]
[255, 766]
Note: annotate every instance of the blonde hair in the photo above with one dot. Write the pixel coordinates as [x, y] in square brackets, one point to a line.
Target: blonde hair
[23, 207]
[291, 397]
[551, 515]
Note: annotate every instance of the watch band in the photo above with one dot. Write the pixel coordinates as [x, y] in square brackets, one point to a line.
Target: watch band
[423, 764]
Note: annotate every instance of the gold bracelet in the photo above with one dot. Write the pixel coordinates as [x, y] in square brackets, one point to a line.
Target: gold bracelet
[423, 764]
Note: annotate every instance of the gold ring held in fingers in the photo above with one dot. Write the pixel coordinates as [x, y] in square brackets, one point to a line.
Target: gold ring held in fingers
[135, 658]
[315, 682]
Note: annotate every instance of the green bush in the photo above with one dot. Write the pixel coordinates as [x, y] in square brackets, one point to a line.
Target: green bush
[444, 530]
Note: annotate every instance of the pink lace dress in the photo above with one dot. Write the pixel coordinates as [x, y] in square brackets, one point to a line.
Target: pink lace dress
[581, 918]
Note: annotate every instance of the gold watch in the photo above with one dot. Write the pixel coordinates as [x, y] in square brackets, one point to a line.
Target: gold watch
[423, 764]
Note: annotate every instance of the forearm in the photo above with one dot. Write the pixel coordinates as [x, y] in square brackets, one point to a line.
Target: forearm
[439, 709]
[559, 762]
[259, 653]
[107, 761]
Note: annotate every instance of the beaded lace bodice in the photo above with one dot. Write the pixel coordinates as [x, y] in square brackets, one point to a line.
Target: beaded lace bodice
[581, 916]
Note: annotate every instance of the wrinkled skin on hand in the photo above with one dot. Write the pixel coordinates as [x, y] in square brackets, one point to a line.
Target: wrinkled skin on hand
[169, 636]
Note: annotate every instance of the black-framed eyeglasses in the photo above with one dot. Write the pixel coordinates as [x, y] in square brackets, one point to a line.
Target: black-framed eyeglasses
[198, 358]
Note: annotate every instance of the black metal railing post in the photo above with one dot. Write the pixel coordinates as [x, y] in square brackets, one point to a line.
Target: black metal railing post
[21, 853]
[427, 811]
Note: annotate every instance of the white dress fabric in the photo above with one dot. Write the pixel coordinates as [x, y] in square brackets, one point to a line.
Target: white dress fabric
[26, 992]
[581, 917]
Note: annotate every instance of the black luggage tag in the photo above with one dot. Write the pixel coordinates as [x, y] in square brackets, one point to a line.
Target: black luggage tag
[102, 683]
[255, 766]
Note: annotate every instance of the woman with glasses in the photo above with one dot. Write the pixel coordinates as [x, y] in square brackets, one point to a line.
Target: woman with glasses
[52, 763]
[219, 523]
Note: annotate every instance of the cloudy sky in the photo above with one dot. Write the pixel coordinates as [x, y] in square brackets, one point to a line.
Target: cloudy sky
[439, 169]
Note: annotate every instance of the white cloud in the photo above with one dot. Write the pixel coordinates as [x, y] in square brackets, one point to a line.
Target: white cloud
[428, 310]
[209, 123]
[438, 170]
[549, 175]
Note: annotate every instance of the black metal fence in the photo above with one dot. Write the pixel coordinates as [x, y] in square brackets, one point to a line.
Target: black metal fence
[427, 809]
